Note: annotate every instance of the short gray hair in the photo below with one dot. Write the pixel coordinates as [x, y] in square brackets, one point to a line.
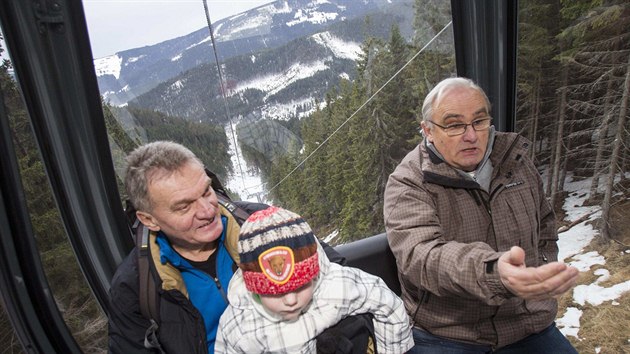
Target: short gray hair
[145, 161]
[436, 93]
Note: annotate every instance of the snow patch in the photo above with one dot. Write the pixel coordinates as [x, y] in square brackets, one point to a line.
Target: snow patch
[176, 86]
[109, 65]
[274, 83]
[596, 295]
[286, 111]
[583, 262]
[569, 324]
[243, 180]
[135, 59]
[339, 47]
[316, 17]
[331, 236]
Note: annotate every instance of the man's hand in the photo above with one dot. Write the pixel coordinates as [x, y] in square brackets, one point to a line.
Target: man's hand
[540, 283]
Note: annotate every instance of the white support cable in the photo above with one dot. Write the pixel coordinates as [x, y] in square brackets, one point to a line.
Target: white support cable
[361, 107]
[223, 93]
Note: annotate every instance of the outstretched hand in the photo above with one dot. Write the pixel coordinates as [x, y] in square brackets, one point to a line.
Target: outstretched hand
[534, 283]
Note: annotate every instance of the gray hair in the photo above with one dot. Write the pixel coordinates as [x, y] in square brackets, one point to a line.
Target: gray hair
[145, 161]
[436, 93]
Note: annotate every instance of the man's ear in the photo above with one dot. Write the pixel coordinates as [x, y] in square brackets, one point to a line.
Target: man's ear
[148, 220]
[427, 131]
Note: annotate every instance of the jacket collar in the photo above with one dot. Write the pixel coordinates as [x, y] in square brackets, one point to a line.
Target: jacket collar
[169, 255]
[436, 156]
[170, 277]
[506, 150]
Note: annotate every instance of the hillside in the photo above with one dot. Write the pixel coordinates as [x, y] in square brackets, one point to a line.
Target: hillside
[130, 73]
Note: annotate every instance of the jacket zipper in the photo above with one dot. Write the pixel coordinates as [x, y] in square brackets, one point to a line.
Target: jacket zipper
[508, 152]
[486, 204]
[217, 282]
[221, 290]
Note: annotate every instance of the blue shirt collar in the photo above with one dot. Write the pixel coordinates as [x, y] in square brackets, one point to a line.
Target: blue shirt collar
[168, 254]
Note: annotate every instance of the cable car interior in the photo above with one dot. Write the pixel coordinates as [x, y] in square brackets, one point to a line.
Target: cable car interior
[53, 69]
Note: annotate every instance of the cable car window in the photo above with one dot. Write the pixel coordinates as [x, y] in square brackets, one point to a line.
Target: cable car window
[572, 96]
[7, 334]
[74, 299]
[299, 109]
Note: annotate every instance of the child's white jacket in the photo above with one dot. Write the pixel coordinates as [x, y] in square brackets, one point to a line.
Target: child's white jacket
[246, 327]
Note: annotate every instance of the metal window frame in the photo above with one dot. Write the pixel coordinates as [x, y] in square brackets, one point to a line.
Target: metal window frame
[48, 42]
[486, 38]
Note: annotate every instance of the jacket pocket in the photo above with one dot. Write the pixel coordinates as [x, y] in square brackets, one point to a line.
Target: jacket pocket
[520, 223]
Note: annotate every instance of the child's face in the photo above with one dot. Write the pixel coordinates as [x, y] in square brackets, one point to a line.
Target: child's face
[289, 306]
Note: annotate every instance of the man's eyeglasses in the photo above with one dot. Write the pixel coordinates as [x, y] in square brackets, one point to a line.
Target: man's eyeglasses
[460, 128]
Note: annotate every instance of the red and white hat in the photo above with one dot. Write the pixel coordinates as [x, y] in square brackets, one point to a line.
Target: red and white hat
[278, 252]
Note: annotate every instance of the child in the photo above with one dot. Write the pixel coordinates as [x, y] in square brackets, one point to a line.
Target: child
[287, 292]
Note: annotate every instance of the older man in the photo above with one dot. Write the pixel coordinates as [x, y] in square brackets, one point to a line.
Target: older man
[192, 250]
[473, 235]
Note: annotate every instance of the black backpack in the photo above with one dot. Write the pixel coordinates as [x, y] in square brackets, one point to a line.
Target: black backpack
[352, 335]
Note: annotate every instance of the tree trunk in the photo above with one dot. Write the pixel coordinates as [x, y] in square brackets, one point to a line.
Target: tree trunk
[625, 165]
[552, 150]
[616, 155]
[555, 162]
[602, 134]
[565, 161]
[535, 116]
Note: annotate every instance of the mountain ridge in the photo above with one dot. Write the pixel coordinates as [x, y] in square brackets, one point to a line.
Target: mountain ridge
[128, 74]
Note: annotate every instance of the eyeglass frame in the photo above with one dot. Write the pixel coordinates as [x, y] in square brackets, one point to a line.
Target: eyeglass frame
[450, 127]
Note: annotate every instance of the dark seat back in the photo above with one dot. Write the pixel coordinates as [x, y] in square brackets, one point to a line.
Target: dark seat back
[373, 255]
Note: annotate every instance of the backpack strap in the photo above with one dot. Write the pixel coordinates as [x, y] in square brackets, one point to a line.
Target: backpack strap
[239, 213]
[147, 288]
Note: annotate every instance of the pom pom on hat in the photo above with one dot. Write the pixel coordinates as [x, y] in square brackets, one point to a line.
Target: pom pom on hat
[278, 252]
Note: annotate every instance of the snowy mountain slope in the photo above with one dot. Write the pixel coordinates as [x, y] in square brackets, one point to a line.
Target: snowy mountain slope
[280, 83]
[127, 74]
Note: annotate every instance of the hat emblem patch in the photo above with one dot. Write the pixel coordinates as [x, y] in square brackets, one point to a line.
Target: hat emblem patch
[277, 264]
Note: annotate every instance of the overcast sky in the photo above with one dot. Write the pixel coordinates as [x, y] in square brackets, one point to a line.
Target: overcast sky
[116, 25]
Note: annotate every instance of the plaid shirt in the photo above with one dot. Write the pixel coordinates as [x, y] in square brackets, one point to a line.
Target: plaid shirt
[246, 327]
[446, 234]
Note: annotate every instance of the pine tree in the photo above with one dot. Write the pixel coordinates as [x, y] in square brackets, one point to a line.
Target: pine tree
[599, 38]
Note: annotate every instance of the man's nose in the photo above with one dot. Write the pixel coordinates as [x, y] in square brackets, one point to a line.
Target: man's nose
[289, 299]
[470, 135]
[204, 208]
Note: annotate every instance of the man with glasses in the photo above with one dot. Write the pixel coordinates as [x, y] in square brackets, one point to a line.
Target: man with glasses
[473, 235]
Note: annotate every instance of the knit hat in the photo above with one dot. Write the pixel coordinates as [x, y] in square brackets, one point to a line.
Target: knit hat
[278, 252]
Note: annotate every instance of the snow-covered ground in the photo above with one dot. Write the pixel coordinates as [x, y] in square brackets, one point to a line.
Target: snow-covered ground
[571, 244]
[248, 185]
